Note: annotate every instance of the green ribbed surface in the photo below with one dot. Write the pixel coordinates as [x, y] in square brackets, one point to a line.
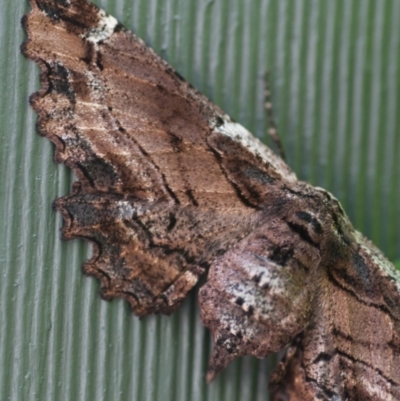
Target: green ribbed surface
[335, 76]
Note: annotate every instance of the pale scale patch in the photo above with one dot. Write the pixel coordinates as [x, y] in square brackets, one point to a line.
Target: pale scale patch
[95, 83]
[125, 210]
[104, 30]
[242, 291]
[267, 277]
[240, 134]
[249, 299]
[375, 391]
[229, 323]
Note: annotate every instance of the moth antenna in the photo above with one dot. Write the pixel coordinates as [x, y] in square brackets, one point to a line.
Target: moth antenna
[272, 130]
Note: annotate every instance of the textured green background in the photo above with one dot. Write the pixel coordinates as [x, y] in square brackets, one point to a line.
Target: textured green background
[336, 87]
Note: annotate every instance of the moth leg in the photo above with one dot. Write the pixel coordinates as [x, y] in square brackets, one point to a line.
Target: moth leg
[272, 130]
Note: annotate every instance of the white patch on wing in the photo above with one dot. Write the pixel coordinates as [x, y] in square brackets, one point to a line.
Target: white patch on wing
[104, 29]
[240, 134]
[125, 210]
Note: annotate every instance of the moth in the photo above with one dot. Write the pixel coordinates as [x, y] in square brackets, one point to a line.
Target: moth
[169, 188]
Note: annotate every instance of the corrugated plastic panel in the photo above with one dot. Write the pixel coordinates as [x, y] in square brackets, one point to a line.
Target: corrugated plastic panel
[334, 71]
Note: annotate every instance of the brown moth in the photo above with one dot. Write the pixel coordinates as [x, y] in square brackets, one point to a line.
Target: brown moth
[169, 187]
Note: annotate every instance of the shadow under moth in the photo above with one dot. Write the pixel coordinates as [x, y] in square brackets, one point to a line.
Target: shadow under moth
[170, 188]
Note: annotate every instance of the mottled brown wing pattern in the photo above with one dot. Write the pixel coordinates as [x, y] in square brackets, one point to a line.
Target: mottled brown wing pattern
[351, 349]
[152, 194]
[168, 187]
